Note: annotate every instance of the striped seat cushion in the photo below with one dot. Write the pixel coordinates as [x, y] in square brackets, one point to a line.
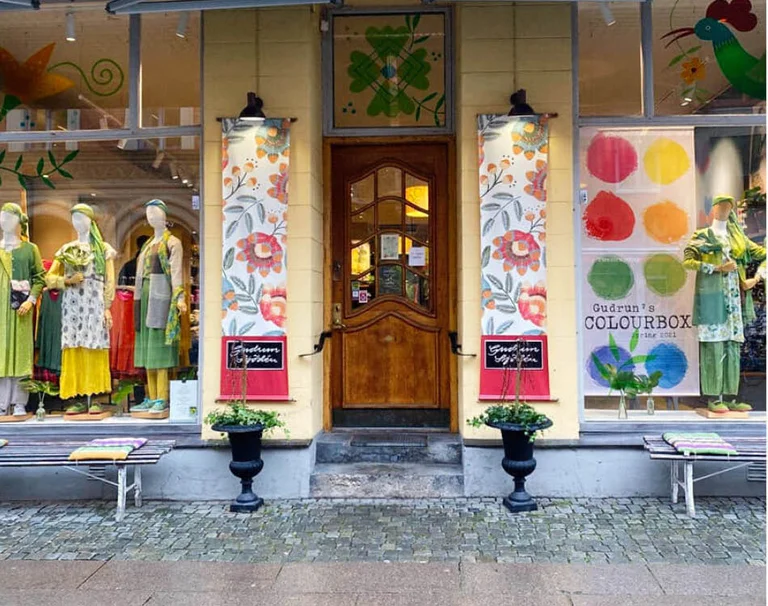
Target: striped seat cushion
[699, 443]
[107, 449]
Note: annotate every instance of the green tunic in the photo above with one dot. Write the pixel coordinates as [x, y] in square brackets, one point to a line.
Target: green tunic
[16, 332]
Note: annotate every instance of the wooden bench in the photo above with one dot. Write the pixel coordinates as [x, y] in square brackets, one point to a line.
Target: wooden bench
[750, 449]
[56, 454]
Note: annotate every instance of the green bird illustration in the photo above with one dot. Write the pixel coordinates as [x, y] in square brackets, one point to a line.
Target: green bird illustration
[745, 72]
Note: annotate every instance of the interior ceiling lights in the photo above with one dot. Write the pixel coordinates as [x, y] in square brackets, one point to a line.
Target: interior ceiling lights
[69, 23]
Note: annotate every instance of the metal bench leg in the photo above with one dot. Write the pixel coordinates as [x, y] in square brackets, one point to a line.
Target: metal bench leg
[137, 485]
[689, 505]
[121, 492]
[673, 473]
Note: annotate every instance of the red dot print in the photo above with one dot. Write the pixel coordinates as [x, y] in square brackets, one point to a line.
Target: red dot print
[609, 218]
[611, 159]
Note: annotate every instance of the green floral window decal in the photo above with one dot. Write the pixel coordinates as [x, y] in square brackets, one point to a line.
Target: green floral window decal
[389, 71]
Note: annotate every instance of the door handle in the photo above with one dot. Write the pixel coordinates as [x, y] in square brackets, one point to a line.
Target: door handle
[336, 322]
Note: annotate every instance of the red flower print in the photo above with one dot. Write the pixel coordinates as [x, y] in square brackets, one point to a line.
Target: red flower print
[517, 249]
[273, 304]
[536, 179]
[532, 303]
[261, 252]
[280, 182]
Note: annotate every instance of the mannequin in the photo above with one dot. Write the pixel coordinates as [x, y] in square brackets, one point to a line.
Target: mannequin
[722, 304]
[87, 295]
[21, 282]
[158, 306]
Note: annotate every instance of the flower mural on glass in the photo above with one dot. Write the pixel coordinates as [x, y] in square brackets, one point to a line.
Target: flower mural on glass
[693, 71]
[273, 304]
[261, 252]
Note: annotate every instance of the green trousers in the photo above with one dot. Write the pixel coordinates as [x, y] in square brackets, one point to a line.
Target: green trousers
[720, 363]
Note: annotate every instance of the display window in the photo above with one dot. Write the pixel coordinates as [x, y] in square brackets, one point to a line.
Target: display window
[99, 218]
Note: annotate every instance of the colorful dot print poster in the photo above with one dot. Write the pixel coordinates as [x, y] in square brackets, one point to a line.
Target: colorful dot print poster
[638, 209]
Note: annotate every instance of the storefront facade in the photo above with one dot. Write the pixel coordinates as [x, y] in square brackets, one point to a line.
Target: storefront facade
[407, 218]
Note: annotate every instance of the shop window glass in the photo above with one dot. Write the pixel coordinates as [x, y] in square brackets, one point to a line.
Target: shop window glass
[643, 194]
[48, 82]
[114, 179]
[609, 59]
[170, 62]
[709, 57]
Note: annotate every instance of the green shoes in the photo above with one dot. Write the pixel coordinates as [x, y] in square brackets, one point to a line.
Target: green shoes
[159, 406]
[95, 409]
[143, 407]
[739, 406]
[77, 408]
[718, 407]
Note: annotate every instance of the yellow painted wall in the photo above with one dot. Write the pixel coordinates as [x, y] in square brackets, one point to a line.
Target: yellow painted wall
[501, 48]
[275, 53]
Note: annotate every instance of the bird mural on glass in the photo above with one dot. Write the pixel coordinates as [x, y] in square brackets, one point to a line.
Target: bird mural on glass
[745, 72]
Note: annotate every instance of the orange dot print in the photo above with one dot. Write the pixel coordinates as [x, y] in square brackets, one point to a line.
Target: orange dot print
[665, 222]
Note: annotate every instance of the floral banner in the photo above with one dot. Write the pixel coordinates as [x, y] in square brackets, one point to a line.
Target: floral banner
[638, 209]
[513, 171]
[255, 161]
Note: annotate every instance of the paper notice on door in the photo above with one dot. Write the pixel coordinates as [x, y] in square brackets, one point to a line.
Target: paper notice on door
[390, 247]
[417, 256]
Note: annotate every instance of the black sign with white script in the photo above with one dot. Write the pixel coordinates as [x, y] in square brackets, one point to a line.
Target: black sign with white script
[503, 354]
[258, 355]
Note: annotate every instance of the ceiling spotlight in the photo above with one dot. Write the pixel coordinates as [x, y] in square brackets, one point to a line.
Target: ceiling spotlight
[174, 171]
[254, 110]
[181, 28]
[158, 160]
[607, 14]
[70, 27]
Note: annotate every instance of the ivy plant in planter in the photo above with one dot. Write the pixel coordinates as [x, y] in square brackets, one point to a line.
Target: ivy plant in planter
[244, 427]
[519, 424]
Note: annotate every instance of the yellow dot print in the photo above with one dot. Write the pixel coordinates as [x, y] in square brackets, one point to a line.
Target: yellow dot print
[665, 161]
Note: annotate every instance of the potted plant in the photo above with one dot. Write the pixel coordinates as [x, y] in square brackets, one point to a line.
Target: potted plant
[645, 385]
[244, 428]
[619, 376]
[519, 423]
[42, 389]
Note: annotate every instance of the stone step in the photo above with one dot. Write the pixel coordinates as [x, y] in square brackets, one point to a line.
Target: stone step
[386, 480]
[395, 446]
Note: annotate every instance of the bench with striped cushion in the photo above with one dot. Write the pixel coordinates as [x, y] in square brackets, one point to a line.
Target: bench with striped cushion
[50, 453]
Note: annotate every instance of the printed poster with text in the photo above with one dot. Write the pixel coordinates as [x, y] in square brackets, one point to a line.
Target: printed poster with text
[513, 166]
[638, 210]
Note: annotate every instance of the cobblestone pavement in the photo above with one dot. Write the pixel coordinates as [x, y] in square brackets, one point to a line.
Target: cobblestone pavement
[636, 530]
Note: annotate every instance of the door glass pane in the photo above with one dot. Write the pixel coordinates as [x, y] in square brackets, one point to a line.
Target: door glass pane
[417, 192]
[390, 182]
[417, 288]
[361, 225]
[361, 193]
[707, 57]
[390, 280]
[390, 215]
[361, 258]
[363, 291]
[417, 256]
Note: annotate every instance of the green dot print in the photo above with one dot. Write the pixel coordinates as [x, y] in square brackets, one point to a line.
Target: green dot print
[611, 278]
[664, 274]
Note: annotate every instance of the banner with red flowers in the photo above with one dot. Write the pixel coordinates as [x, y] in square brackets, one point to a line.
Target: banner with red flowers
[255, 161]
[513, 171]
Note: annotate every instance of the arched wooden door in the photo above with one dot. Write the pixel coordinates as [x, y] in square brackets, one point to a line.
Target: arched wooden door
[391, 292]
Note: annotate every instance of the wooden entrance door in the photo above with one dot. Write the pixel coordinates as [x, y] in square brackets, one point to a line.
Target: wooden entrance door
[391, 288]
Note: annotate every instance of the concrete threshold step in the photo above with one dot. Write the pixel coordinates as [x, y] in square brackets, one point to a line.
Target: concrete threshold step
[390, 446]
[386, 480]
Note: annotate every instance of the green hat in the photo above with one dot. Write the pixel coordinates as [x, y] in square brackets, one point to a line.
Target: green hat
[83, 209]
[722, 200]
[15, 209]
[159, 203]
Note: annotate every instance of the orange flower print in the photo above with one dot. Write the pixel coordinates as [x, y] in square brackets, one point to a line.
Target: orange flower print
[279, 180]
[252, 182]
[486, 294]
[261, 252]
[693, 71]
[517, 249]
[272, 143]
[273, 304]
[481, 150]
[228, 300]
[528, 138]
[30, 81]
[536, 181]
[532, 303]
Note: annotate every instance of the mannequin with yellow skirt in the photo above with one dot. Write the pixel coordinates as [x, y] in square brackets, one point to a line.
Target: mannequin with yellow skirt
[158, 306]
[85, 273]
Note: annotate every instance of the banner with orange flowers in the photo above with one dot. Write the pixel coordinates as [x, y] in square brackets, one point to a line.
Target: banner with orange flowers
[255, 161]
[513, 171]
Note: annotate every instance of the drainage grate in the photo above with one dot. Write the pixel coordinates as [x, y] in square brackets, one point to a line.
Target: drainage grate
[405, 439]
[756, 472]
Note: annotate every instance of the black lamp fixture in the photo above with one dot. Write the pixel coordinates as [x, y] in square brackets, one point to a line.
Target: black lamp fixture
[254, 109]
[520, 106]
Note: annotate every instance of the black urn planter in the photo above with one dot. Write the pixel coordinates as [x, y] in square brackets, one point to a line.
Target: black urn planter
[518, 461]
[246, 463]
